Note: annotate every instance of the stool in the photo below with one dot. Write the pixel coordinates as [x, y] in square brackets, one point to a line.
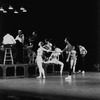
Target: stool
[8, 58]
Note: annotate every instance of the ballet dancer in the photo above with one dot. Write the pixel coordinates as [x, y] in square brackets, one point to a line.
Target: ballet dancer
[39, 60]
[54, 58]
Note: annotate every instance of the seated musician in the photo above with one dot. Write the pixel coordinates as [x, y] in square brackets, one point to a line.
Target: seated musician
[54, 58]
[31, 53]
[32, 37]
[20, 36]
[19, 46]
[9, 41]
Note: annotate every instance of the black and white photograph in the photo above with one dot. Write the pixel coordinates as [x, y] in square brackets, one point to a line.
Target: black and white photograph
[50, 50]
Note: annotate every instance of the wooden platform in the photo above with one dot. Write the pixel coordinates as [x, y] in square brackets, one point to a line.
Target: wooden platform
[13, 70]
[81, 87]
[24, 70]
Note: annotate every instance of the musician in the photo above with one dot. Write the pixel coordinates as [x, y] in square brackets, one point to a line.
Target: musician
[54, 58]
[20, 37]
[31, 47]
[9, 41]
[32, 39]
[31, 53]
[19, 46]
[83, 53]
[33, 36]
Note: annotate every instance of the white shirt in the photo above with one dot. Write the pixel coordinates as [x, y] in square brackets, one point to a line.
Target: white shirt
[83, 51]
[20, 39]
[8, 39]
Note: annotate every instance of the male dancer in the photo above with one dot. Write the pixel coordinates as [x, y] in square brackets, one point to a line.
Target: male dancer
[68, 49]
[83, 53]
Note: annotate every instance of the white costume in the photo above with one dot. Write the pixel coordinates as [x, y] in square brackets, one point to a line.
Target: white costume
[54, 58]
[39, 61]
[20, 37]
[73, 60]
[83, 51]
[8, 39]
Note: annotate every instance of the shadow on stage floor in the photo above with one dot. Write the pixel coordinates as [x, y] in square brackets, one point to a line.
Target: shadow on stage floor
[54, 87]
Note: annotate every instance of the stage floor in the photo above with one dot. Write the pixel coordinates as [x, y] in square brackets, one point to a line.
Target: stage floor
[80, 87]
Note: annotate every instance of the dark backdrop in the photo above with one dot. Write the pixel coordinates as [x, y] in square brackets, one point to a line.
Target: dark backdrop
[79, 20]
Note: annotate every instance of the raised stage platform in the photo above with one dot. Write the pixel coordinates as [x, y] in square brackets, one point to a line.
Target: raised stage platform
[81, 87]
[16, 70]
[25, 70]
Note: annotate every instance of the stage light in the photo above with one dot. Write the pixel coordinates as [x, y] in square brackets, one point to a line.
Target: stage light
[4, 11]
[1, 9]
[24, 10]
[16, 12]
[10, 7]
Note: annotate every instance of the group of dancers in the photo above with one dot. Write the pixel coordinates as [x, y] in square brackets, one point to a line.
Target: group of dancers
[54, 57]
[47, 48]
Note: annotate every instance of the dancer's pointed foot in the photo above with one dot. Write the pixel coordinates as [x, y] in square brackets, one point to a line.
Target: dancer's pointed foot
[79, 71]
[68, 77]
[43, 77]
[83, 72]
[39, 77]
